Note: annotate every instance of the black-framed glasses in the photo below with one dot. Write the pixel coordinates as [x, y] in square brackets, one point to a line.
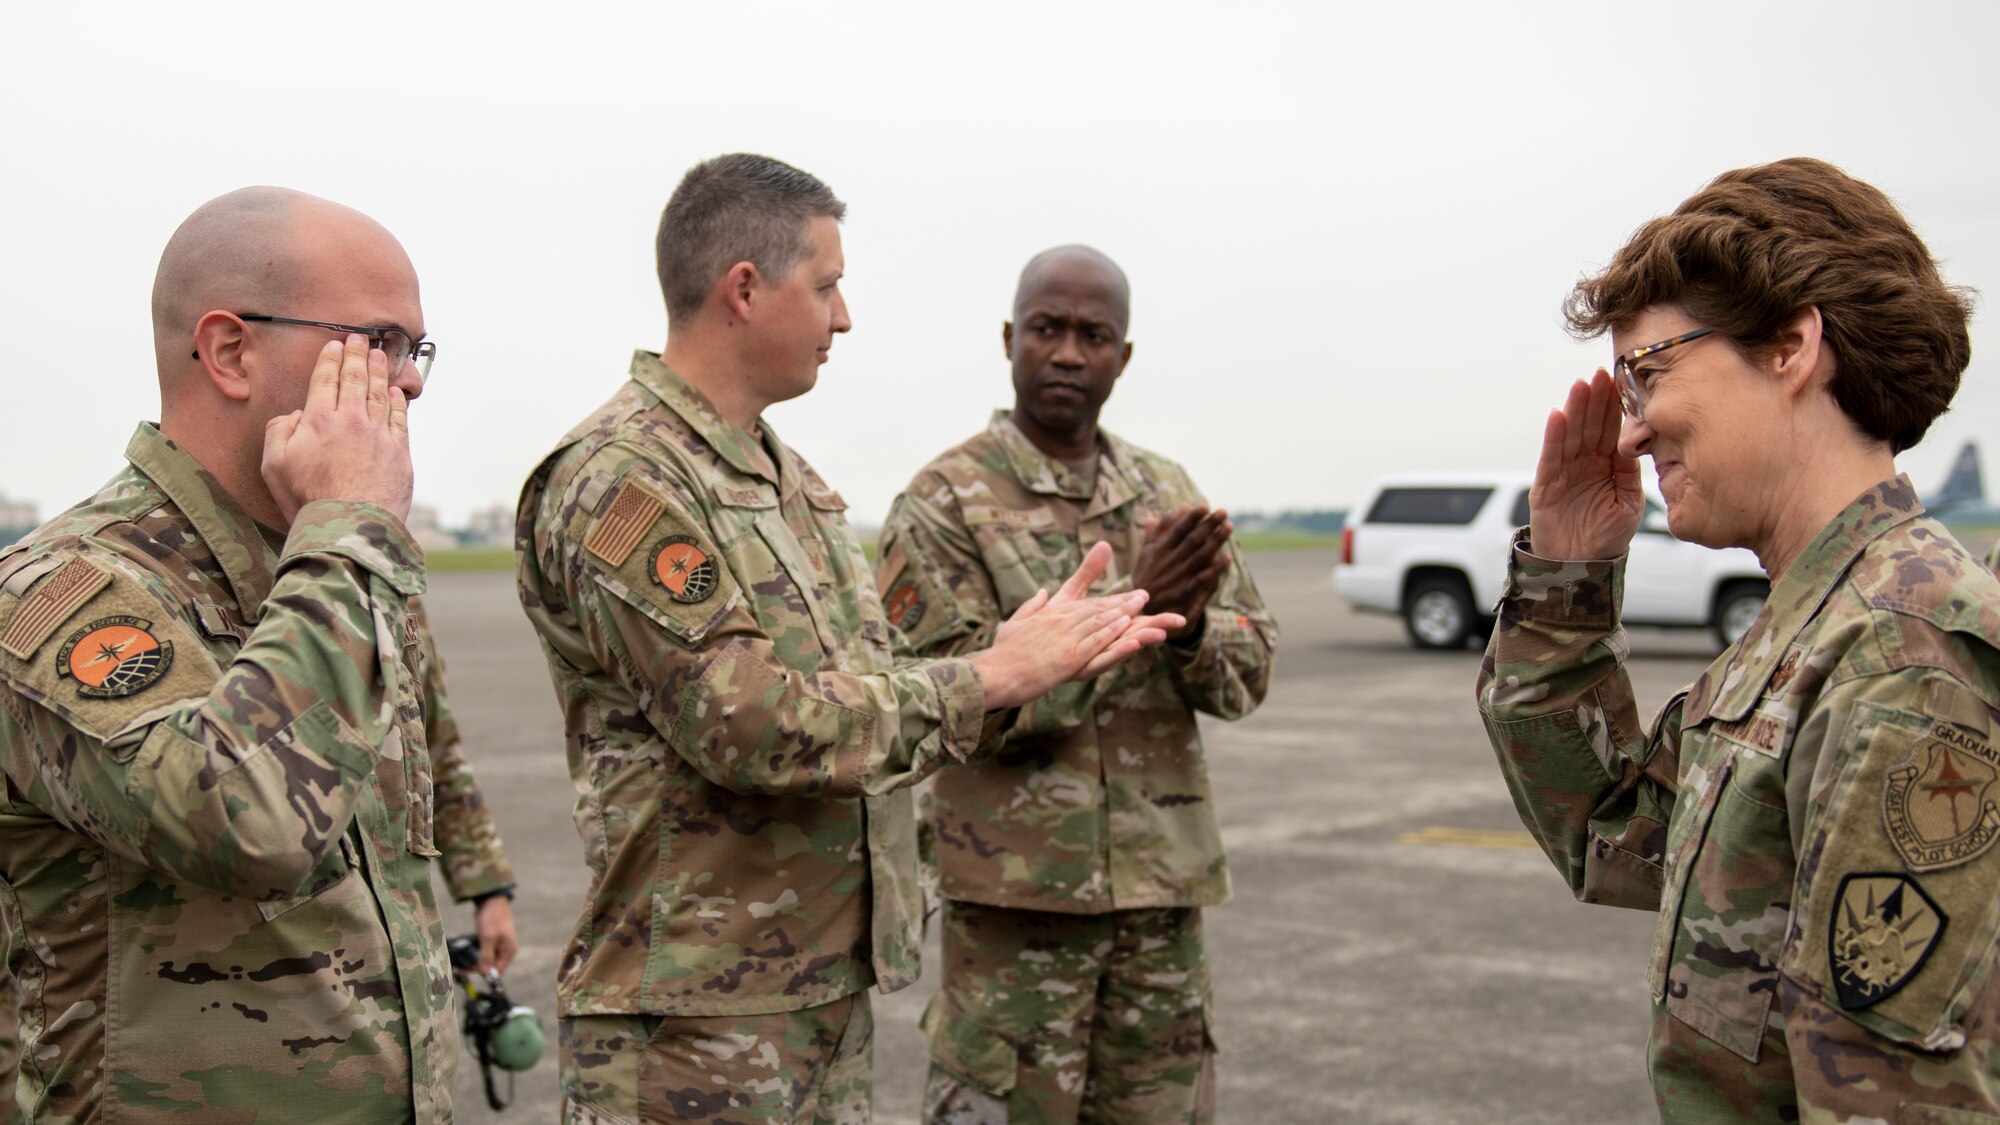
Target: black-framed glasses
[1632, 394]
[395, 344]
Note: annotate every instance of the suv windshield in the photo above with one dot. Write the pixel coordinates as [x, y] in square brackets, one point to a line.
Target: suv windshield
[1428, 505]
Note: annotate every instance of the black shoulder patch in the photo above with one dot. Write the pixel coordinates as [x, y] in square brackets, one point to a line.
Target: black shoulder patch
[1884, 929]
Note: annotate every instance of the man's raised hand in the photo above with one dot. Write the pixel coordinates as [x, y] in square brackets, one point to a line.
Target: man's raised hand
[1055, 638]
[351, 440]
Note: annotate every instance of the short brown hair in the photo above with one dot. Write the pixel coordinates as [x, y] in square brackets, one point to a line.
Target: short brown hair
[1758, 246]
[736, 208]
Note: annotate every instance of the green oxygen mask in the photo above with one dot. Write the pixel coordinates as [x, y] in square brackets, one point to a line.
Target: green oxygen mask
[503, 1035]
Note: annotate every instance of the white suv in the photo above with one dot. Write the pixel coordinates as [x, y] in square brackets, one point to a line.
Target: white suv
[1433, 548]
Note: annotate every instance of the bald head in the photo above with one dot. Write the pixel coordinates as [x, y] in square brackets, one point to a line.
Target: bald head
[1075, 261]
[256, 249]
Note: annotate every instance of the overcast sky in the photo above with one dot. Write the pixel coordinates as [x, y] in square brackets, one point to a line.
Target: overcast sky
[1349, 230]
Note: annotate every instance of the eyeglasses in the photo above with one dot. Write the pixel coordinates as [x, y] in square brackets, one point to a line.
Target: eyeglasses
[395, 344]
[1632, 393]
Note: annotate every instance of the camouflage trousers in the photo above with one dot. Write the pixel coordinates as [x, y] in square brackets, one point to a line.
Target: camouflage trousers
[10, 1048]
[811, 1067]
[1070, 1017]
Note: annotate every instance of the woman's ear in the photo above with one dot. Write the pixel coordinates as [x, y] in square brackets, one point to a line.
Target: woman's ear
[1798, 353]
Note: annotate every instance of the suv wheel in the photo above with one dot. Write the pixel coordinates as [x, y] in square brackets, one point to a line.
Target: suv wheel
[1438, 613]
[1736, 609]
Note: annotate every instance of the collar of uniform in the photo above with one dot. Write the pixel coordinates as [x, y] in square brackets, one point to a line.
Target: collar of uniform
[225, 528]
[1736, 681]
[1038, 472]
[744, 453]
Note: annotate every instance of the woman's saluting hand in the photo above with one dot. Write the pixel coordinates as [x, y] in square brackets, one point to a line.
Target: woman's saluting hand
[1586, 502]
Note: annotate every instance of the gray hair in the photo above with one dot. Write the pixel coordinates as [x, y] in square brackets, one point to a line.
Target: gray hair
[736, 208]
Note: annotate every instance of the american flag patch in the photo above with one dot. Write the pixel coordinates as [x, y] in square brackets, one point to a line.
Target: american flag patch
[62, 594]
[631, 514]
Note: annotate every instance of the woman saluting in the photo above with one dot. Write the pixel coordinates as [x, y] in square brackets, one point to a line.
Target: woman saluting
[1816, 817]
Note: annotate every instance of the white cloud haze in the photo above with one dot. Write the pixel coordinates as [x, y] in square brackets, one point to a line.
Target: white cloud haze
[1349, 230]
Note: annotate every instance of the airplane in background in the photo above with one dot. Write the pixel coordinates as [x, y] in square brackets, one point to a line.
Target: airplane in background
[1964, 486]
[1961, 504]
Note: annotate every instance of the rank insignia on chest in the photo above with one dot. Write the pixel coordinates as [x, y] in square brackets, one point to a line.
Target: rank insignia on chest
[1884, 928]
[905, 606]
[683, 569]
[113, 657]
[1941, 806]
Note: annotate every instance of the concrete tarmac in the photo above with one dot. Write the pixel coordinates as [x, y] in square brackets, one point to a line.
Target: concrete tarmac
[1397, 950]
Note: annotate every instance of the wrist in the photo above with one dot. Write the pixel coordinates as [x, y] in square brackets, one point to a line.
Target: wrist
[997, 680]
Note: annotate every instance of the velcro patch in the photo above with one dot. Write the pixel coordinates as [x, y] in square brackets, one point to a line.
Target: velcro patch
[905, 606]
[684, 570]
[1884, 929]
[632, 513]
[51, 604]
[1941, 805]
[675, 576]
[113, 657]
[126, 661]
[913, 599]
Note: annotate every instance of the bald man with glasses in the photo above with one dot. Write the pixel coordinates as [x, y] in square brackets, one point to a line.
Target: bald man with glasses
[218, 819]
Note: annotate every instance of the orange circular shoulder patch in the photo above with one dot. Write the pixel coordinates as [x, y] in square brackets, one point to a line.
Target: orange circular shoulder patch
[684, 570]
[114, 657]
[904, 606]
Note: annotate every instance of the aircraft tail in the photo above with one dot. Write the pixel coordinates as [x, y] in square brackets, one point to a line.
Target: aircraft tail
[1964, 485]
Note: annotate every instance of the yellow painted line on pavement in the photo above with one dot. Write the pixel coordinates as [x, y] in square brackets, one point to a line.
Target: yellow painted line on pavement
[1469, 837]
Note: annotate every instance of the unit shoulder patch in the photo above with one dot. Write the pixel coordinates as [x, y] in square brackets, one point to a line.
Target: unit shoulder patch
[904, 605]
[687, 573]
[1941, 805]
[1884, 929]
[113, 657]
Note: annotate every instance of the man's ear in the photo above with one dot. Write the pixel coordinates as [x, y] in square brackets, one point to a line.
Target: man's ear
[219, 343]
[1124, 359]
[1798, 352]
[1007, 339]
[739, 288]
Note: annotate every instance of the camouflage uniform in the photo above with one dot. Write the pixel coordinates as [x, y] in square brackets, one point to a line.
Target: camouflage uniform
[474, 862]
[10, 1048]
[738, 715]
[218, 812]
[1814, 818]
[1993, 556]
[1075, 861]
[472, 859]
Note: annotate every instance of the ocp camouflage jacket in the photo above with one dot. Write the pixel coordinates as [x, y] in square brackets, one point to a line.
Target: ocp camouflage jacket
[216, 831]
[471, 856]
[1099, 799]
[738, 715]
[1815, 818]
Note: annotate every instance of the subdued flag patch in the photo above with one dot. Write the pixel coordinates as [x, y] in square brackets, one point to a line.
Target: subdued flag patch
[1884, 928]
[51, 604]
[114, 657]
[632, 513]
